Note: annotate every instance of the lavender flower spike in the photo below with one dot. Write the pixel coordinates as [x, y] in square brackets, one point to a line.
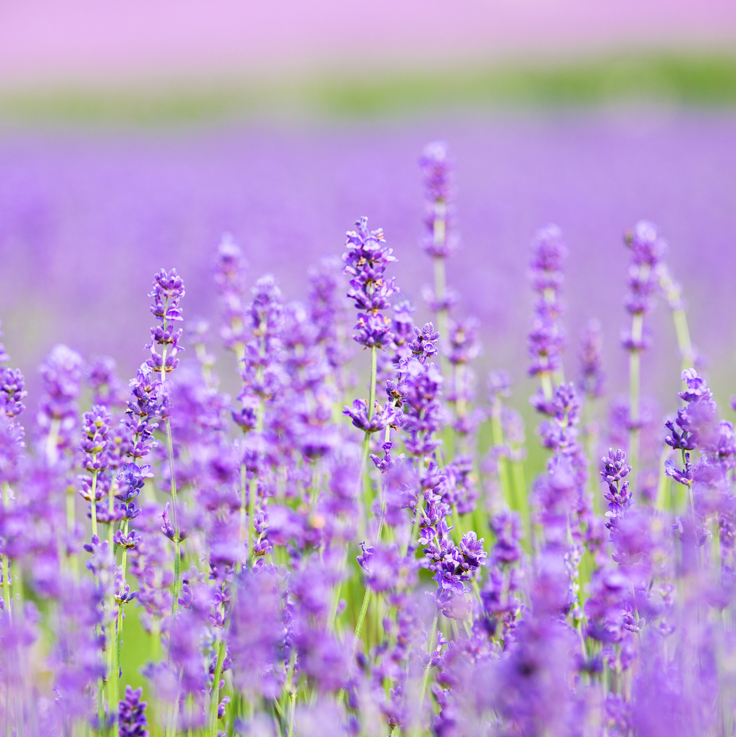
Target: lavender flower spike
[365, 262]
[132, 714]
[546, 338]
[168, 289]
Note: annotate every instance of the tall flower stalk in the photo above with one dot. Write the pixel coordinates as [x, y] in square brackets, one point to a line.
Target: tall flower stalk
[168, 290]
[647, 249]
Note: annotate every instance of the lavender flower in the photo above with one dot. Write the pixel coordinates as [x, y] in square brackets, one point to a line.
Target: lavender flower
[546, 337]
[168, 290]
[592, 378]
[132, 714]
[57, 414]
[365, 262]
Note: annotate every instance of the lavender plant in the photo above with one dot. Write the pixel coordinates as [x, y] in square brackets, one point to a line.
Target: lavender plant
[294, 569]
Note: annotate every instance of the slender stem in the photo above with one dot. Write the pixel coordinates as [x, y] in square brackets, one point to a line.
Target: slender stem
[415, 524]
[177, 544]
[546, 380]
[119, 644]
[71, 523]
[372, 384]
[634, 384]
[425, 678]
[356, 634]
[111, 510]
[252, 517]
[6, 560]
[216, 687]
[94, 501]
[503, 474]
[361, 619]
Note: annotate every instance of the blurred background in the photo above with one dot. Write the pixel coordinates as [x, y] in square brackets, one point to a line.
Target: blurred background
[133, 135]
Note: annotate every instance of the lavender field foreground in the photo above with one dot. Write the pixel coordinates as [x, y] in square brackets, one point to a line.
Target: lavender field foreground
[318, 555]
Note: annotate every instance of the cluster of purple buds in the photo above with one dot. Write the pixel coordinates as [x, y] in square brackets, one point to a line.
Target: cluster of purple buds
[592, 379]
[647, 250]
[421, 387]
[695, 424]
[365, 263]
[168, 289]
[57, 414]
[424, 345]
[106, 388]
[132, 720]
[614, 472]
[96, 459]
[229, 275]
[437, 166]
[147, 403]
[546, 338]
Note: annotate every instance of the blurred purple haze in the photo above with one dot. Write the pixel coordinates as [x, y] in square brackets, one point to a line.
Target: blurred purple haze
[85, 221]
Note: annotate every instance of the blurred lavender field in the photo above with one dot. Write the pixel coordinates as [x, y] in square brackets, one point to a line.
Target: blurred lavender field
[86, 219]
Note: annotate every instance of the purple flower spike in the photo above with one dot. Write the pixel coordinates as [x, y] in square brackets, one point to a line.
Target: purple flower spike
[12, 392]
[383, 417]
[168, 290]
[546, 339]
[437, 166]
[230, 282]
[132, 714]
[615, 470]
[592, 379]
[424, 345]
[366, 260]
[57, 414]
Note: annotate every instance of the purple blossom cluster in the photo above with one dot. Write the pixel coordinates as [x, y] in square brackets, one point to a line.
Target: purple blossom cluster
[285, 585]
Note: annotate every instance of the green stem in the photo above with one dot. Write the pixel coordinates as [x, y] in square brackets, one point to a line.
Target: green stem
[634, 384]
[94, 501]
[503, 473]
[361, 619]
[372, 385]
[356, 634]
[119, 634]
[70, 525]
[425, 677]
[174, 514]
[6, 560]
[415, 524]
[216, 687]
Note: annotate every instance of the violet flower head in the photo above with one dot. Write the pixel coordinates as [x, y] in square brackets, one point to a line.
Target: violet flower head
[499, 386]
[107, 389]
[546, 338]
[132, 714]
[229, 272]
[329, 310]
[383, 417]
[95, 429]
[695, 426]
[147, 403]
[647, 250]
[57, 420]
[592, 378]
[403, 323]
[365, 261]
[422, 418]
[12, 392]
[464, 345]
[614, 472]
[168, 290]
[437, 166]
[424, 345]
